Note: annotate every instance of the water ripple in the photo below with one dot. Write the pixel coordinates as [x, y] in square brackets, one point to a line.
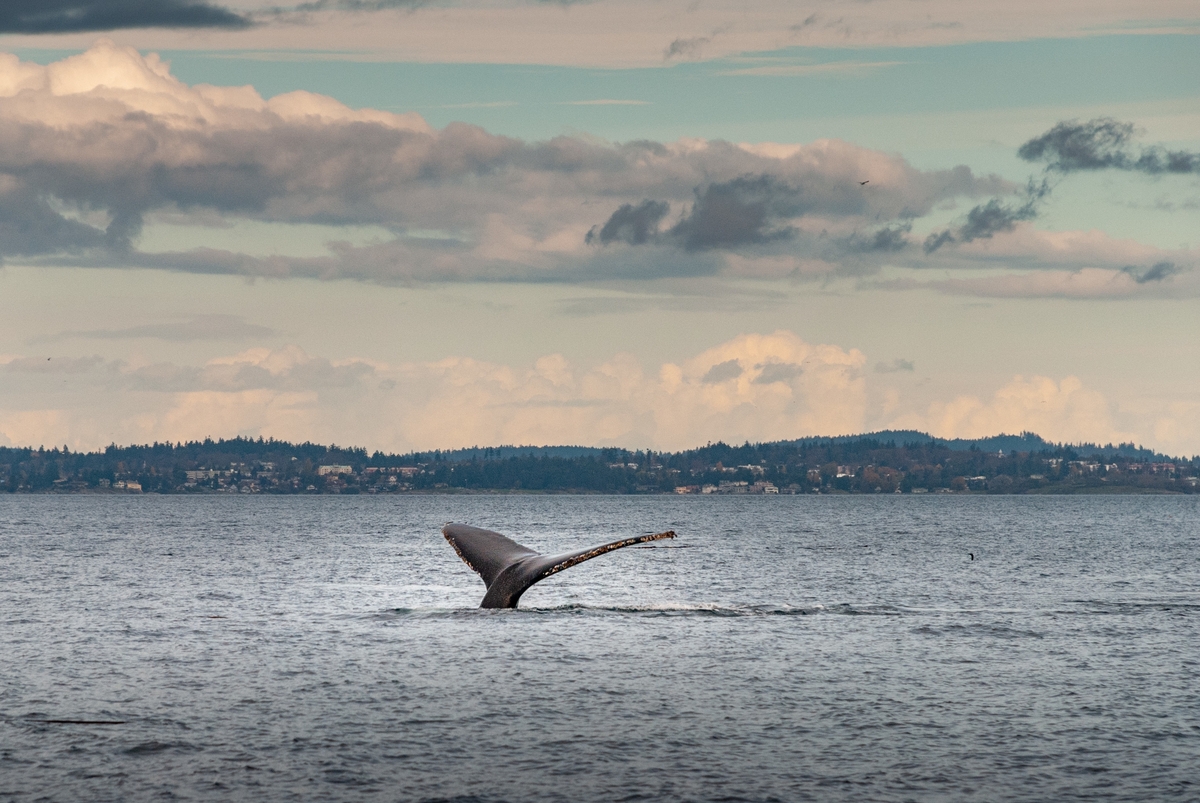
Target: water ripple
[801, 648]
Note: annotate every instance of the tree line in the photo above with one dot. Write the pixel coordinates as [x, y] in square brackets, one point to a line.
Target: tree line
[880, 463]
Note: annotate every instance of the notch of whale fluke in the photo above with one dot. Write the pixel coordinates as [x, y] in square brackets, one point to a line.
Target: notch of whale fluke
[508, 569]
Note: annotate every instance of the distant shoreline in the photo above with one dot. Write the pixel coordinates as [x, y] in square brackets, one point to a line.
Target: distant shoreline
[847, 465]
[1116, 490]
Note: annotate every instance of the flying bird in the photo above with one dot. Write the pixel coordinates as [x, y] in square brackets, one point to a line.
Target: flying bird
[868, 181]
[508, 569]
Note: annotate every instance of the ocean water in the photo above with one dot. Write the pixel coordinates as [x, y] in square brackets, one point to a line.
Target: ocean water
[795, 648]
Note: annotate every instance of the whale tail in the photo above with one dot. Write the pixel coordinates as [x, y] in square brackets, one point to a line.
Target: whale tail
[508, 568]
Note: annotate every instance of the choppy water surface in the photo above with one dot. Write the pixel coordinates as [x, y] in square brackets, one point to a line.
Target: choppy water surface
[802, 648]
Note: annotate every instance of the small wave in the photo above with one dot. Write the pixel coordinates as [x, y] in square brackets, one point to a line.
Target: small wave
[835, 547]
[677, 609]
[652, 609]
[37, 718]
[984, 629]
[425, 613]
[146, 748]
[1131, 607]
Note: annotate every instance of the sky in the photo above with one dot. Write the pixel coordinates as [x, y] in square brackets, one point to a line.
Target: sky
[410, 225]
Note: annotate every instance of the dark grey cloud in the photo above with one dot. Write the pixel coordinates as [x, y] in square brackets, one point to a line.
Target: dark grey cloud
[895, 365]
[744, 211]
[755, 209]
[1158, 272]
[1070, 146]
[887, 239]
[67, 16]
[29, 226]
[1101, 144]
[808, 21]
[986, 220]
[631, 224]
[195, 328]
[722, 372]
[686, 48]
[777, 372]
[331, 174]
[937, 239]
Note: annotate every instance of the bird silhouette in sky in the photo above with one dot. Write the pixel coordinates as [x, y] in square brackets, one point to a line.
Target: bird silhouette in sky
[861, 183]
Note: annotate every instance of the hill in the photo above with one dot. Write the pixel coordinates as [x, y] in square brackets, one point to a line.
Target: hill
[878, 462]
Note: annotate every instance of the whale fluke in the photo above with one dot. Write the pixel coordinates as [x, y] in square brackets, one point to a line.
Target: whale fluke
[508, 569]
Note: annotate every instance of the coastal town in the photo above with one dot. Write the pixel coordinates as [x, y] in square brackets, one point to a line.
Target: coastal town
[868, 464]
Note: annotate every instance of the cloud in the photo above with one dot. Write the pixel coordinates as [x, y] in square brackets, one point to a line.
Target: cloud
[1028, 262]
[722, 372]
[286, 369]
[633, 33]
[937, 239]
[153, 143]
[630, 224]
[986, 220]
[1058, 411]
[787, 388]
[990, 218]
[460, 203]
[68, 16]
[744, 211]
[1071, 146]
[886, 239]
[771, 372]
[30, 226]
[755, 387]
[757, 209]
[690, 47]
[1028, 247]
[1084, 283]
[1100, 144]
[1157, 272]
[49, 365]
[195, 328]
[629, 33]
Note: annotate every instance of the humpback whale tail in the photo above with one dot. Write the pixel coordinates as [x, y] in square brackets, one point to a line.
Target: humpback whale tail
[508, 569]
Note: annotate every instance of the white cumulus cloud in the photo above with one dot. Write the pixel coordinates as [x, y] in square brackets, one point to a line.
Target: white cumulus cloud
[1064, 411]
[783, 387]
[753, 387]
